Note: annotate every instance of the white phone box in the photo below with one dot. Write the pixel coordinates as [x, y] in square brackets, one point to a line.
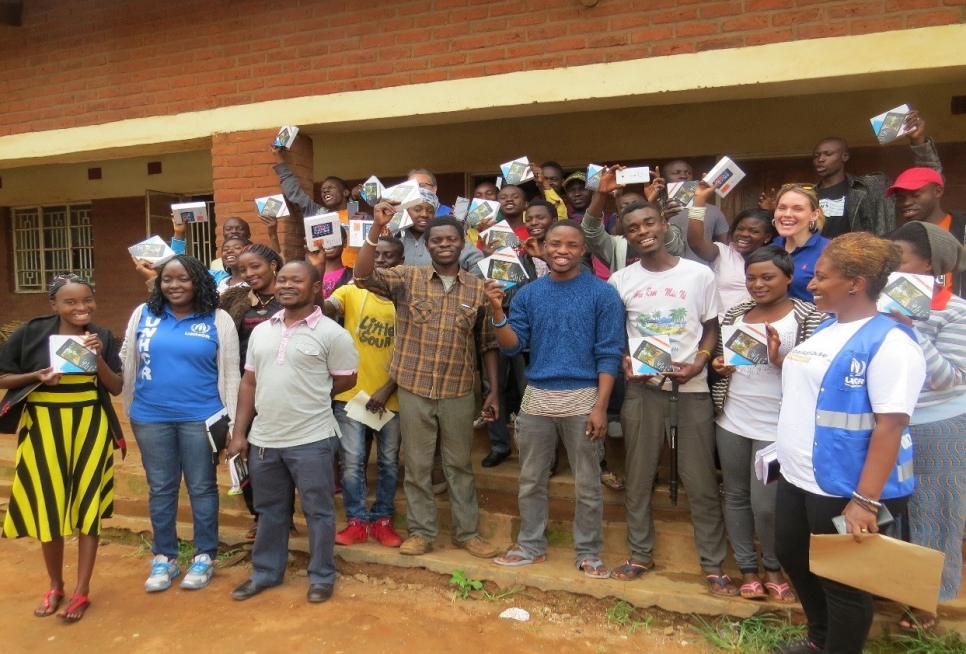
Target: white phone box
[641, 175]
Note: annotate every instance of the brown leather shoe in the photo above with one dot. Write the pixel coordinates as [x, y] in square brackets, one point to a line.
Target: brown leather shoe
[478, 547]
[415, 545]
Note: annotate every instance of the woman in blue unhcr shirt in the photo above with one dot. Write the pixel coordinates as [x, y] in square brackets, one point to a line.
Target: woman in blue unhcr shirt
[181, 380]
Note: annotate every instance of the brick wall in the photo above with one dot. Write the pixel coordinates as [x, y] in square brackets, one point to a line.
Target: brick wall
[119, 289]
[76, 62]
[242, 171]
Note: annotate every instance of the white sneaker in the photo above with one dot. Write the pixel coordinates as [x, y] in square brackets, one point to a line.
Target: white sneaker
[163, 571]
[199, 574]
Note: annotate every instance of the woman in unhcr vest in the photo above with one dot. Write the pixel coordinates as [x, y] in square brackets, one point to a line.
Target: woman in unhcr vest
[181, 378]
[937, 510]
[67, 432]
[843, 440]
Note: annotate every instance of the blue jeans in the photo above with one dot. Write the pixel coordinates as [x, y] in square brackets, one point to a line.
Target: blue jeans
[168, 451]
[352, 457]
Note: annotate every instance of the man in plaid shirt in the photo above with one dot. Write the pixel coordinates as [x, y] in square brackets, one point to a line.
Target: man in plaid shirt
[441, 324]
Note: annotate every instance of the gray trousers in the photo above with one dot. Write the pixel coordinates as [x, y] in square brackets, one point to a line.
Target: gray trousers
[275, 472]
[749, 505]
[644, 419]
[536, 438]
[421, 418]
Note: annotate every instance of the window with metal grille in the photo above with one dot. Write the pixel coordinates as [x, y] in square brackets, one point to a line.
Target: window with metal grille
[51, 240]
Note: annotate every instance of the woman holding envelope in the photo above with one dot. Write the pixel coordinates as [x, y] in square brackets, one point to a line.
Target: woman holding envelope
[937, 510]
[67, 432]
[181, 380]
[843, 439]
[748, 399]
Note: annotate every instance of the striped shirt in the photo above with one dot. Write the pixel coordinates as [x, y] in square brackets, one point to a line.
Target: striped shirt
[558, 404]
[438, 332]
[943, 341]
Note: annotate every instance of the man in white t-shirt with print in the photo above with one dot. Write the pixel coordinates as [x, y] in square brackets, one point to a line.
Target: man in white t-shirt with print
[672, 297]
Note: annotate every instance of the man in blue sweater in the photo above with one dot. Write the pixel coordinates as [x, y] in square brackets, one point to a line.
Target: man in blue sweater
[571, 321]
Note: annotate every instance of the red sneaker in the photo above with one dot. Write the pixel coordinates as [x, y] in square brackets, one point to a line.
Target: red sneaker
[383, 532]
[356, 532]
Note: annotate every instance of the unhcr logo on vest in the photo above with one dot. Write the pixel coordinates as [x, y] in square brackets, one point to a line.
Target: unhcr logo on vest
[857, 377]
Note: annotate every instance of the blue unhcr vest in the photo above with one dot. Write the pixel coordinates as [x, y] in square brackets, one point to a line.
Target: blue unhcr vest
[844, 419]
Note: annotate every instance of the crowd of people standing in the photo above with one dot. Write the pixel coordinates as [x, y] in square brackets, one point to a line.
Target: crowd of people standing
[868, 410]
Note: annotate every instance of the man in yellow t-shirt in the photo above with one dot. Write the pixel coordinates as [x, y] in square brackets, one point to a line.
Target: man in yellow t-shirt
[371, 321]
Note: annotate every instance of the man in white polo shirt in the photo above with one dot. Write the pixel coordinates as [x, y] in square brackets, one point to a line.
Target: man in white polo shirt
[296, 361]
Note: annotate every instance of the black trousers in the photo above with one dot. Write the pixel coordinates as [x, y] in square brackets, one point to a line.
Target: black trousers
[839, 616]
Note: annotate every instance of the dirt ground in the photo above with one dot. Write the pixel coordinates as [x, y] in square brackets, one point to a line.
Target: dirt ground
[375, 608]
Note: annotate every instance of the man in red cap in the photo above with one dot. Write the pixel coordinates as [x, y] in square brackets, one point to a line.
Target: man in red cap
[918, 193]
[858, 204]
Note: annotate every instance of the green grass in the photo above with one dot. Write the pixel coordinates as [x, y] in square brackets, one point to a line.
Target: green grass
[627, 615]
[758, 634]
[227, 554]
[921, 642]
[501, 594]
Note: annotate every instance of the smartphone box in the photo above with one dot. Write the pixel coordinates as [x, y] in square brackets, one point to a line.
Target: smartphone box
[744, 345]
[641, 175]
[153, 249]
[400, 220]
[372, 190]
[890, 125]
[272, 205]
[505, 266]
[517, 171]
[461, 208]
[189, 212]
[69, 356]
[322, 231]
[650, 355]
[910, 295]
[406, 194]
[286, 136]
[358, 232]
[726, 173]
[682, 192]
[500, 235]
[482, 210]
[594, 173]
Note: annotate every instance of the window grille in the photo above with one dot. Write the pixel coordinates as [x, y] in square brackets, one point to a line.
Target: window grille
[51, 240]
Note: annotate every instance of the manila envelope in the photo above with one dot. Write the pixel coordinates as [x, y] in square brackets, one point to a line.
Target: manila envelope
[903, 572]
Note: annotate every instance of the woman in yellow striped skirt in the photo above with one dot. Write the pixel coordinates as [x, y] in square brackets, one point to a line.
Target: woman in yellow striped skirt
[64, 479]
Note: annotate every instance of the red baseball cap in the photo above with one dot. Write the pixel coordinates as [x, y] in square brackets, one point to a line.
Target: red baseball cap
[914, 179]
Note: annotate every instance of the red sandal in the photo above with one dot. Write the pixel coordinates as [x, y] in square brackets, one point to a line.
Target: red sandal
[49, 607]
[77, 603]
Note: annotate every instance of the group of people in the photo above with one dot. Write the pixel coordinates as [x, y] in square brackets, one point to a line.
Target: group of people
[266, 359]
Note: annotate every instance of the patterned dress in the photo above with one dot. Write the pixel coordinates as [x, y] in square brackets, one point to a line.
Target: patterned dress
[64, 478]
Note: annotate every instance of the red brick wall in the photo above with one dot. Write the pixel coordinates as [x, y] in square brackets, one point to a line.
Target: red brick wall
[114, 59]
[16, 306]
[119, 289]
[242, 171]
[117, 223]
